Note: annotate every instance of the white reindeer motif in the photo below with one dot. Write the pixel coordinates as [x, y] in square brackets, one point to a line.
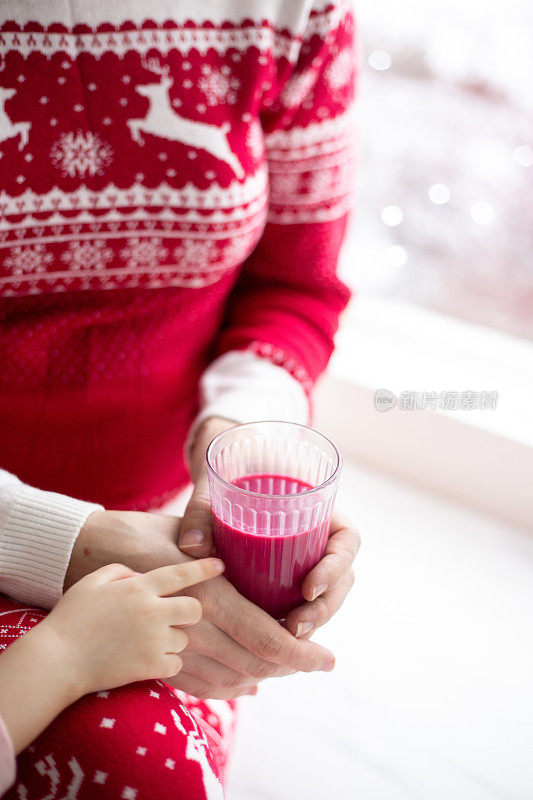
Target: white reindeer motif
[47, 766]
[162, 120]
[9, 129]
[195, 751]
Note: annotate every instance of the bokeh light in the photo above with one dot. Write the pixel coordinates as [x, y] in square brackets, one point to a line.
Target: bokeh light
[523, 155]
[392, 216]
[482, 212]
[395, 256]
[380, 60]
[439, 193]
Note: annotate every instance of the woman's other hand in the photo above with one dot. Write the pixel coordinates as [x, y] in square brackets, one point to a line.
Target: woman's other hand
[325, 587]
[196, 535]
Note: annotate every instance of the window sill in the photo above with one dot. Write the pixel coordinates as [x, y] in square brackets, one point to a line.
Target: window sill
[483, 458]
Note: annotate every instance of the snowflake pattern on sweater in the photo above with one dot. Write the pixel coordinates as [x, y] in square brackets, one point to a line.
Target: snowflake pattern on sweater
[159, 124]
[80, 153]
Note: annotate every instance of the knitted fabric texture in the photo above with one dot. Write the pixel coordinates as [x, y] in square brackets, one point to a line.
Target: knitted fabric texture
[145, 741]
[171, 189]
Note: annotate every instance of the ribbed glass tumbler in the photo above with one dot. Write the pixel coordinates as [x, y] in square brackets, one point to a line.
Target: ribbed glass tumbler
[272, 487]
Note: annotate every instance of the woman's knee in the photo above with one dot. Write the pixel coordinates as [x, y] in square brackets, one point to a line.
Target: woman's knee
[16, 619]
[138, 742]
[134, 743]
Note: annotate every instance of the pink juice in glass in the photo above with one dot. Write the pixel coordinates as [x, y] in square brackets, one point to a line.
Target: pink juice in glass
[268, 567]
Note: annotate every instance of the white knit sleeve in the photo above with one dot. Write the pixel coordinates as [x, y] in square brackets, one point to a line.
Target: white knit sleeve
[243, 387]
[37, 533]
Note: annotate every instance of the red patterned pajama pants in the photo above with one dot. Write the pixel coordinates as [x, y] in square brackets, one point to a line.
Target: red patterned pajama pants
[145, 741]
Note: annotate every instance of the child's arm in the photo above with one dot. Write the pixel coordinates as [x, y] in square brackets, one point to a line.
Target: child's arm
[90, 641]
[36, 684]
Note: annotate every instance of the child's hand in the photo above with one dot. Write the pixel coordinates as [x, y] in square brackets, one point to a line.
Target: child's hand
[116, 626]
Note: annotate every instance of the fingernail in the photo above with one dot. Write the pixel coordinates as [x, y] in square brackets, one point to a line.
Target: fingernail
[218, 564]
[318, 590]
[192, 538]
[328, 665]
[303, 628]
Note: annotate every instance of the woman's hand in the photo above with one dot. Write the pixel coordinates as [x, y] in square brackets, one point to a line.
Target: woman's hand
[196, 536]
[234, 645]
[324, 588]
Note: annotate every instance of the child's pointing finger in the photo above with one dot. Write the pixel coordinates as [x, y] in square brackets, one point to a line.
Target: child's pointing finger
[170, 580]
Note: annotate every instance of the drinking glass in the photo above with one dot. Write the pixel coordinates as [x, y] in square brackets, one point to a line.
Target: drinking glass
[272, 487]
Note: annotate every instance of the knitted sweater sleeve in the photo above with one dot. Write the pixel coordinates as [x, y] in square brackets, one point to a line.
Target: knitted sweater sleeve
[37, 533]
[283, 313]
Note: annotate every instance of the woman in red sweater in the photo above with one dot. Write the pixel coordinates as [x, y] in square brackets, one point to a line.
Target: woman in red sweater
[174, 185]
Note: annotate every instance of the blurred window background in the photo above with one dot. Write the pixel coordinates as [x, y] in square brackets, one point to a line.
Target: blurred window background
[445, 166]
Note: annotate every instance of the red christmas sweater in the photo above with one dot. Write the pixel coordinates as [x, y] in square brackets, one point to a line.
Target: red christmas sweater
[174, 184]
